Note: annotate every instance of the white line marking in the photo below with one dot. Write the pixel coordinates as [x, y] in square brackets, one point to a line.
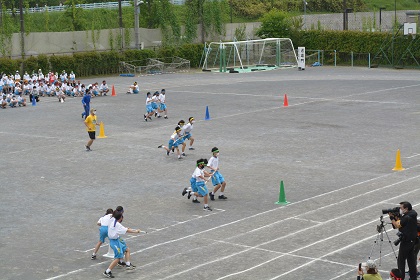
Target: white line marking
[252, 216]
[415, 155]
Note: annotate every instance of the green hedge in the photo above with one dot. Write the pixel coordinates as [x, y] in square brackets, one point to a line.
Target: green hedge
[98, 63]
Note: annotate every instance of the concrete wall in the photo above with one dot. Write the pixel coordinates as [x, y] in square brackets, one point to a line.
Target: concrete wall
[81, 41]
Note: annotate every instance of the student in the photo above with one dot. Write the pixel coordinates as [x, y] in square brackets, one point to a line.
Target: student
[198, 186]
[155, 100]
[187, 132]
[103, 231]
[149, 109]
[103, 88]
[34, 94]
[91, 123]
[163, 107]
[371, 271]
[217, 178]
[181, 124]
[115, 228]
[173, 142]
[133, 88]
[60, 94]
[86, 105]
[395, 274]
[21, 100]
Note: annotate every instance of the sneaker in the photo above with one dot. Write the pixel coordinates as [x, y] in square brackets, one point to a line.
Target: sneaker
[165, 117]
[189, 195]
[160, 146]
[184, 191]
[87, 148]
[93, 257]
[145, 118]
[211, 196]
[150, 118]
[207, 208]
[159, 116]
[121, 264]
[155, 114]
[183, 154]
[82, 116]
[222, 197]
[191, 148]
[130, 267]
[167, 153]
[195, 201]
[179, 157]
[108, 274]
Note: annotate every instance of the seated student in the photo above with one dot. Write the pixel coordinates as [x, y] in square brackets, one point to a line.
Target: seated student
[18, 88]
[371, 271]
[95, 89]
[103, 88]
[21, 100]
[3, 102]
[13, 101]
[133, 88]
[42, 89]
[26, 87]
[60, 94]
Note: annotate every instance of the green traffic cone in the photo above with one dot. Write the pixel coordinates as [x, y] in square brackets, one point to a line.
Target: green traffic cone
[282, 195]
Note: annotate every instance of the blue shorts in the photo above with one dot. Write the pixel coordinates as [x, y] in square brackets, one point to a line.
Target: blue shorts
[135, 91]
[193, 184]
[118, 247]
[149, 108]
[172, 143]
[202, 189]
[187, 136]
[103, 233]
[154, 105]
[162, 106]
[217, 178]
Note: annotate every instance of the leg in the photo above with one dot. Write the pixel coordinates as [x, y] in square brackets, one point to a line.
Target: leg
[98, 245]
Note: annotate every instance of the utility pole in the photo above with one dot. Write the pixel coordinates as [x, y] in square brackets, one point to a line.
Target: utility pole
[22, 30]
[120, 23]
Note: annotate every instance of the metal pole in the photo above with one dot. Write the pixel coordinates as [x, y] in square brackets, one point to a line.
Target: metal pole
[380, 18]
[394, 31]
[22, 30]
[344, 14]
[136, 23]
[121, 23]
[304, 12]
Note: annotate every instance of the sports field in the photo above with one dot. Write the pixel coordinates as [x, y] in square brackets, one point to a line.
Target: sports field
[333, 147]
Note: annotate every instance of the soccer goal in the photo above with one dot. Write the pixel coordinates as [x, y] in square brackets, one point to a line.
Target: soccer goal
[251, 55]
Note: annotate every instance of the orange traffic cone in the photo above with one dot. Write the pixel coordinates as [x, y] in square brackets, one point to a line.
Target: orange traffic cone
[398, 163]
[286, 103]
[113, 91]
[101, 131]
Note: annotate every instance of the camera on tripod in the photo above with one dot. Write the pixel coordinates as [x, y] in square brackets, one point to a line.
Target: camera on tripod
[395, 211]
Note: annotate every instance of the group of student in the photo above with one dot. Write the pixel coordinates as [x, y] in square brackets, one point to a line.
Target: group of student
[155, 105]
[111, 227]
[199, 178]
[14, 88]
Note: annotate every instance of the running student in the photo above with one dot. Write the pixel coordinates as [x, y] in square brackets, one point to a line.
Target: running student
[91, 123]
[187, 132]
[181, 141]
[173, 142]
[163, 107]
[198, 186]
[121, 251]
[149, 108]
[103, 231]
[155, 100]
[217, 178]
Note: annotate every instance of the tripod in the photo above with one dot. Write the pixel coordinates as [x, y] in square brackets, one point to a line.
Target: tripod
[380, 239]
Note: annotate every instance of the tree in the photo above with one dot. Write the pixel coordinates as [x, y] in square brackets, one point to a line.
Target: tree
[275, 24]
[75, 14]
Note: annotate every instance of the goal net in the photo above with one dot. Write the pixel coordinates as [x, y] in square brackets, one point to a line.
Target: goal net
[251, 55]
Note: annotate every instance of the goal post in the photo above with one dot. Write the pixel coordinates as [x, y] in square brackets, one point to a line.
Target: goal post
[262, 54]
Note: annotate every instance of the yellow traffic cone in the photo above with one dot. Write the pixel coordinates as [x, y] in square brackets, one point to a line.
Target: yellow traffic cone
[101, 131]
[398, 163]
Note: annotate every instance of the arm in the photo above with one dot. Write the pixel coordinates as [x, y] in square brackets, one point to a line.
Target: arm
[129, 230]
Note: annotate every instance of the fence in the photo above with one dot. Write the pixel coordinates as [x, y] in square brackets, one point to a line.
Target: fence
[335, 58]
[105, 5]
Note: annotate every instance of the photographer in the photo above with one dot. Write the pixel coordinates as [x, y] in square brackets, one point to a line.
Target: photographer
[406, 223]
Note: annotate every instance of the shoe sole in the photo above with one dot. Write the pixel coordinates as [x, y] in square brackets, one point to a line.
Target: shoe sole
[184, 192]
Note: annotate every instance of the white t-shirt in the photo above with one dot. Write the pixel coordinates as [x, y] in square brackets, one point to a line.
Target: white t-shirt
[162, 98]
[174, 136]
[115, 229]
[187, 128]
[103, 87]
[104, 221]
[148, 100]
[213, 162]
[197, 173]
